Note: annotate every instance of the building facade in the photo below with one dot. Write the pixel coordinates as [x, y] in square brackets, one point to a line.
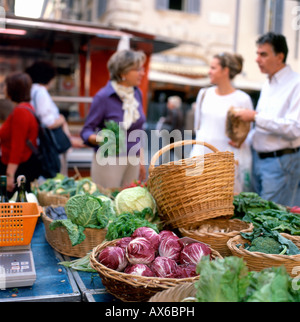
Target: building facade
[204, 27]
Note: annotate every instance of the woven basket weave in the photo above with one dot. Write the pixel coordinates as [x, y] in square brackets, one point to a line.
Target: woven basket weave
[218, 240]
[175, 294]
[60, 241]
[194, 189]
[47, 199]
[258, 261]
[133, 288]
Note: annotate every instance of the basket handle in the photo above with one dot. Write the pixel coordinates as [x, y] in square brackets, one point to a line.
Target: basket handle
[175, 145]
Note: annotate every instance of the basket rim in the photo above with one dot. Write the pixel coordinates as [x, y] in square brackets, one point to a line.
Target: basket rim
[231, 243]
[174, 145]
[186, 287]
[136, 278]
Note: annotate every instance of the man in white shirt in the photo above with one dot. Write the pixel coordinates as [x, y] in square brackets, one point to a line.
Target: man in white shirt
[276, 137]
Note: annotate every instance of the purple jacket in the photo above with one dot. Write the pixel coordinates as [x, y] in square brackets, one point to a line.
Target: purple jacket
[107, 106]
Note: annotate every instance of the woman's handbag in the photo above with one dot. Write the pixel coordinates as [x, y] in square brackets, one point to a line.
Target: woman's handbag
[61, 140]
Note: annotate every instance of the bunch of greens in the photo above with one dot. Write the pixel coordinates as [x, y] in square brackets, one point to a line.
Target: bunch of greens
[125, 224]
[84, 211]
[247, 202]
[251, 208]
[269, 242]
[69, 186]
[229, 280]
[276, 220]
[114, 139]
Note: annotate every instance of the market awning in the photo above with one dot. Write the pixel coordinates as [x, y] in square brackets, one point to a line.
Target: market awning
[35, 35]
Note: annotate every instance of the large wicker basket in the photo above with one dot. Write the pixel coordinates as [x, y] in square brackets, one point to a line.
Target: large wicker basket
[258, 261]
[60, 241]
[194, 189]
[218, 240]
[133, 288]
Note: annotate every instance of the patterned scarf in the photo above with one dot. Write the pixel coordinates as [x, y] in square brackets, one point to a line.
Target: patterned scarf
[130, 104]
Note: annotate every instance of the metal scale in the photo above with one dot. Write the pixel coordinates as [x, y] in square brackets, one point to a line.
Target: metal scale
[17, 267]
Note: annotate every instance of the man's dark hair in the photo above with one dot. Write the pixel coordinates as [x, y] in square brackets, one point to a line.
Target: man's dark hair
[277, 41]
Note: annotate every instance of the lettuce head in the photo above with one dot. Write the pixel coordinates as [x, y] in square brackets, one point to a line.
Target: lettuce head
[134, 199]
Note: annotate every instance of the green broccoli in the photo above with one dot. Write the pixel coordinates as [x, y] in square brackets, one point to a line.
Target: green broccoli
[267, 245]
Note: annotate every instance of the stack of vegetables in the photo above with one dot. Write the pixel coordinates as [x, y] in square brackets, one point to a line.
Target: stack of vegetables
[273, 225]
[251, 208]
[149, 253]
[68, 186]
[132, 208]
[229, 280]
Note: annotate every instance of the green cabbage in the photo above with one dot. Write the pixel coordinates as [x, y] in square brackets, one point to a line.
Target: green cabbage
[84, 211]
[134, 199]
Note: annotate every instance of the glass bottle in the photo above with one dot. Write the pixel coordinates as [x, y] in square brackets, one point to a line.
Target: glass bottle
[3, 191]
[21, 197]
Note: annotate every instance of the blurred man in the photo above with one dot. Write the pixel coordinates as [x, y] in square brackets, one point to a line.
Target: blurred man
[276, 137]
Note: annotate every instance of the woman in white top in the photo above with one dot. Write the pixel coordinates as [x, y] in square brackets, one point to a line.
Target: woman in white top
[42, 73]
[213, 104]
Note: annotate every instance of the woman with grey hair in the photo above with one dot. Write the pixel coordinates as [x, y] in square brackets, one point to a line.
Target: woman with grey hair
[119, 101]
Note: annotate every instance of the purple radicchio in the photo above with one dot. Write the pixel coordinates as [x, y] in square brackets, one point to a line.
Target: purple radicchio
[166, 233]
[148, 233]
[140, 251]
[192, 253]
[164, 267]
[114, 258]
[170, 247]
[123, 242]
[186, 270]
[139, 269]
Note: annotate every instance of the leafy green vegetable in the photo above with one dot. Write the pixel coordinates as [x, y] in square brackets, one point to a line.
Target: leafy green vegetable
[269, 286]
[250, 208]
[250, 201]
[81, 264]
[270, 242]
[125, 224]
[84, 211]
[134, 199]
[114, 139]
[222, 280]
[229, 280]
[69, 186]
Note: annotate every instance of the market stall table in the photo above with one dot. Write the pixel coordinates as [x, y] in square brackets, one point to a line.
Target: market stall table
[54, 283]
[91, 287]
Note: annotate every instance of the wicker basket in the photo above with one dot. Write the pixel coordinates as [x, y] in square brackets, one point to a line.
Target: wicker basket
[175, 294]
[60, 241]
[192, 190]
[258, 261]
[218, 240]
[133, 288]
[47, 199]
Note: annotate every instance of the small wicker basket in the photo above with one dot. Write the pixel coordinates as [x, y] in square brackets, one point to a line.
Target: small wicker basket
[195, 189]
[60, 241]
[133, 288]
[218, 240]
[258, 261]
[47, 199]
